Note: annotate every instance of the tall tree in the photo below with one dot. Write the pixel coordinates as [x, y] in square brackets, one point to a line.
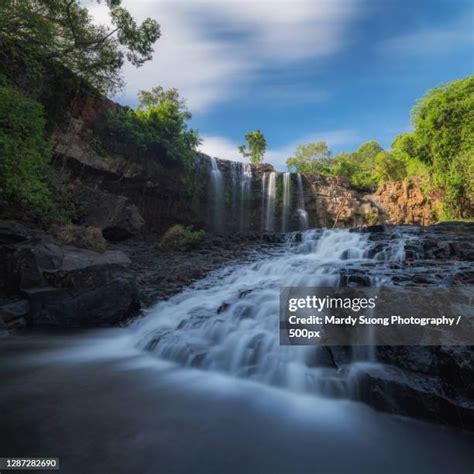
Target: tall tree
[63, 31]
[255, 148]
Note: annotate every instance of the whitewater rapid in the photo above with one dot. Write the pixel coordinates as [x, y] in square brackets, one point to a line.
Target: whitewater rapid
[229, 322]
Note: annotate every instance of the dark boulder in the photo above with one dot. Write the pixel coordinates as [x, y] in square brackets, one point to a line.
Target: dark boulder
[407, 393]
[66, 286]
[118, 218]
[13, 315]
[12, 232]
[87, 289]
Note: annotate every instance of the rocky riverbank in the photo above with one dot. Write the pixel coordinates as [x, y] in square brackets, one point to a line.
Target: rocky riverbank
[44, 283]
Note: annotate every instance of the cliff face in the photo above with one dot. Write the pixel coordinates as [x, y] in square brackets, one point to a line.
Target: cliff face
[218, 195]
[406, 203]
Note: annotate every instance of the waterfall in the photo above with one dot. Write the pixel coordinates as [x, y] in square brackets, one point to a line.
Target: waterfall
[270, 195]
[235, 170]
[229, 323]
[245, 181]
[217, 192]
[286, 202]
[302, 214]
[262, 209]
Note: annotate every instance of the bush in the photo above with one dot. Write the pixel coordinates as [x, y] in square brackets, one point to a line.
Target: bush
[181, 238]
[24, 151]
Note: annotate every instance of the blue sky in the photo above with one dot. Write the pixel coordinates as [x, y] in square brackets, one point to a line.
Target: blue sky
[344, 71]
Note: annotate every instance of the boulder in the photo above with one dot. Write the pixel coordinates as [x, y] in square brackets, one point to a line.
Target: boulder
[87, 289]
[115, 215]
[67, 286]
[13, 315]
[80, 236]
[408, 393]
[12, 232]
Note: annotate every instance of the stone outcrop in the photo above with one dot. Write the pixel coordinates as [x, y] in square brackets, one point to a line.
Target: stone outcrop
[405, 202]
[63, 286]
[434, 383]
[115, 215]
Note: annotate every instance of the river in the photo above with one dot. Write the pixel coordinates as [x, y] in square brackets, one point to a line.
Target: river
[200, 384]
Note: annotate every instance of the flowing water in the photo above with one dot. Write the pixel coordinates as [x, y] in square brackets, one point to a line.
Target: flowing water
[286, 202]
[217, 193]
[245, 188]
[200, 384]
[301, 209]
[232, 326]
[269, 184]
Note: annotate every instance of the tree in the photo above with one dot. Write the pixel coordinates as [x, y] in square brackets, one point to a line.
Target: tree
[444, 133]
[256, 146]
[311, 158]
[63, 31]
[389, 167]
[157, 128]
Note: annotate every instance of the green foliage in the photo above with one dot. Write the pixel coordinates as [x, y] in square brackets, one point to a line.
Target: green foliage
[440, 149]
[157, 128]
[311, 159]
[444, 133]
[178, 237]
[63, 31]
[389, 167]
[256, 146]
[24, 151]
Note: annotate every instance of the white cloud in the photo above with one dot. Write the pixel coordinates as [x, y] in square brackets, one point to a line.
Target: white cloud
[224, 148]
[211, 49]
[440, 40]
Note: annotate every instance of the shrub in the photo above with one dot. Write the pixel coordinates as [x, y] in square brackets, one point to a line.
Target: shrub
[24, 151]
[85, 237]
[178, 237]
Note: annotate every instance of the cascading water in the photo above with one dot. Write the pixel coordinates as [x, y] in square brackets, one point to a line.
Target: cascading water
[301, 210]
[235, 170]
[270, 198]
[285, 202]
[217, 193]
[232, 326]
[245, 182]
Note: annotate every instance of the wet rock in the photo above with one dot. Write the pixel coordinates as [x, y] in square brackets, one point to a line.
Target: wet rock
[373, 229]
[396, 391]
[320, 357]
[13, 315]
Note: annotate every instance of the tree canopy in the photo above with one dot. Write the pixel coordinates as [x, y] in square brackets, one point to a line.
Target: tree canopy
[255, 148]
[63, 31]
[440, 148]
[158, 126]
[310, 158]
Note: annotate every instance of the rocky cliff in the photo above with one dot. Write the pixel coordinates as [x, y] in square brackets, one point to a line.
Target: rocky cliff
[406, 202]
[118, 190]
